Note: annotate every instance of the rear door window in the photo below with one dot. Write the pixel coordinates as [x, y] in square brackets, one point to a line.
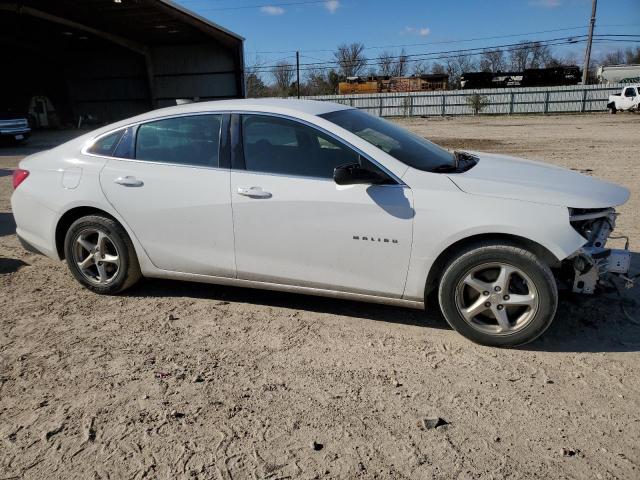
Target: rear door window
[188, 140]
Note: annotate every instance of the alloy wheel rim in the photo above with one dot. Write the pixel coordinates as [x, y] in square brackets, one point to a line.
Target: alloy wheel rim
[96, 256]
[497, 298]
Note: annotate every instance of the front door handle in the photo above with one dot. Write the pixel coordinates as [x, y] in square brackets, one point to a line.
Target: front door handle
[253, 192]
[129, 181]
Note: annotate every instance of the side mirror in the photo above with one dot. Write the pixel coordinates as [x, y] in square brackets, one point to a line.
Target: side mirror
[353, 174]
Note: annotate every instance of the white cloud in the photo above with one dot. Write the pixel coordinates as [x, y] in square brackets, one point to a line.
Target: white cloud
[545, 3]
[332, 5]
[271, 10]
[421, 32]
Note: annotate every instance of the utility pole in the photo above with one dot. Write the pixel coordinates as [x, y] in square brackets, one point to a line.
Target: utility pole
[587, 55]
[298, 72]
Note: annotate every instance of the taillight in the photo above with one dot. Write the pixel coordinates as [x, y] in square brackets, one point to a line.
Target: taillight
[18, 176]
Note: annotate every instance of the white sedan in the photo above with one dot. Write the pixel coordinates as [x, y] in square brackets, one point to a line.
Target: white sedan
[323, 199]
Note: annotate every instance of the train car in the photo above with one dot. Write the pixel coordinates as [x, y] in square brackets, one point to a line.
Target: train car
[531, 77]
[547, 77]
[386, 84]
[358, 85]
[419, 83]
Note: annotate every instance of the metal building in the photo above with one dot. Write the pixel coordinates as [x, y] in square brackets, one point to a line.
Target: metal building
[104, 60]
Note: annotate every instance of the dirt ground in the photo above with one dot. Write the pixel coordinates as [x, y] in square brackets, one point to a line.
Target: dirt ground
[181, 380]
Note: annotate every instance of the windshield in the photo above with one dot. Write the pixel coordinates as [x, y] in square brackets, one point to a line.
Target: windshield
[401, 144]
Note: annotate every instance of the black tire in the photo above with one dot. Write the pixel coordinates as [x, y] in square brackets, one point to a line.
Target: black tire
[488, 254]
[127, 272]
[613, 110]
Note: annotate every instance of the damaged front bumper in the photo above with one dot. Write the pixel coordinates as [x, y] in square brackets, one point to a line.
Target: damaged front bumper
[594, 264]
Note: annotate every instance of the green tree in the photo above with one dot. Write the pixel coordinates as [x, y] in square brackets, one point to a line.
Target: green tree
[477, 102]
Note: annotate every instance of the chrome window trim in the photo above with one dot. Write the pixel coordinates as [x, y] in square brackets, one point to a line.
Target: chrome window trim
[92, 141]
[89, 144]
[304, 177]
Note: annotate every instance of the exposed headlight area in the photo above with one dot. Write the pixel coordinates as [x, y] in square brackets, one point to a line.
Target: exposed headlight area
[594, 224]
[593, 264]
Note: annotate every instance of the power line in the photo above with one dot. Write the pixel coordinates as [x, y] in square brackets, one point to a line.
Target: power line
[444, 54]
[604, 40]
[480, 50]
[408, 61]
[443, 42]
[493, 37]
[440, 55]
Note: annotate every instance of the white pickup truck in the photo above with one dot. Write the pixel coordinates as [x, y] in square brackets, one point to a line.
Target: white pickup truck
[627, 99]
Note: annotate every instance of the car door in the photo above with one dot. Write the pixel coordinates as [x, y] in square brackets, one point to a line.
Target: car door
[628, 97]
[294, 225]
[172, 189]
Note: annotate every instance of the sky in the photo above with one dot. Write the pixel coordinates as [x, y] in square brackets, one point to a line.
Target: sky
[274, 30]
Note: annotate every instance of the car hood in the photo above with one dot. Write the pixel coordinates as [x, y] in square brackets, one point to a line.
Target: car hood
[520, 179]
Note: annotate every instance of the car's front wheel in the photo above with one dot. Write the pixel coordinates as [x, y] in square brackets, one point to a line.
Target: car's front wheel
[100, 255]
[498, 294]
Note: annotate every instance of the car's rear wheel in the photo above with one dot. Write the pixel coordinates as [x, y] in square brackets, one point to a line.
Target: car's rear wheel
[613, 110]
[100, 255]
[498, 294]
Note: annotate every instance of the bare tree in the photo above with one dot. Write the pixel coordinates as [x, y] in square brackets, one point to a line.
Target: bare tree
[390, 65]
[529, 55]
[351, 59]
[568, 59]
[438, 68]
[632, 56]
[519, 56]
[320, 82]
[420, 68]
[385, 64]
[629, 56]
[492, 61]
[456, 66]
[614, 57]
[283, 74]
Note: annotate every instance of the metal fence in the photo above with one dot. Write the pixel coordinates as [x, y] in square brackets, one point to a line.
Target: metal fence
[501, 101]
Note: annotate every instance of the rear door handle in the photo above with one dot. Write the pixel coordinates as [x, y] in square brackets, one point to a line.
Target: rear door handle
[254, 192]
[129, 181]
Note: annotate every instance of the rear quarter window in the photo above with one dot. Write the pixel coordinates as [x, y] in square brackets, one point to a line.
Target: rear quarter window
[106, 145]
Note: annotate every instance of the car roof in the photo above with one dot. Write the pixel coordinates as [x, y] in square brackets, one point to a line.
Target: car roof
[274, 105]
[283, 106]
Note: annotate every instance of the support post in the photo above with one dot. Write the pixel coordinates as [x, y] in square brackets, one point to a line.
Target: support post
[587, 55]
[380, 107]
[511, 101]
[583, 108]
[546, 102]
[298, 73]
[444, 104]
